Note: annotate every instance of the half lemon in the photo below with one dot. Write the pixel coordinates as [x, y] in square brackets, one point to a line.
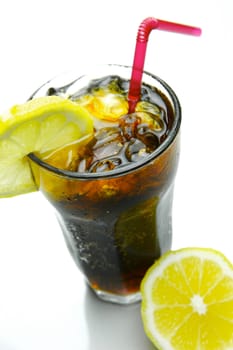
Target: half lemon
[187, 301]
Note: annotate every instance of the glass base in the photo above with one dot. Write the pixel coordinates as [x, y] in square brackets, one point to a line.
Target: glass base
[118, 299]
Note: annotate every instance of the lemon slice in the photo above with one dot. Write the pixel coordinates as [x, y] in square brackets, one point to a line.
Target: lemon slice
[187, 301]
[105, 105]
[39, 125]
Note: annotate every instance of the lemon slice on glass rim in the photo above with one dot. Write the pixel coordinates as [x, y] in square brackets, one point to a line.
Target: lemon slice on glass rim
[39, 125]
[187, 301]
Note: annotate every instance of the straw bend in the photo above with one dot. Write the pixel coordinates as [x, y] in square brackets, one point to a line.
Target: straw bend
[151, 23]
[144, 30]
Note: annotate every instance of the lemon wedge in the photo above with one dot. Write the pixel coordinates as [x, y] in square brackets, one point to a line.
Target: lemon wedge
[39, 125]
[187, 301]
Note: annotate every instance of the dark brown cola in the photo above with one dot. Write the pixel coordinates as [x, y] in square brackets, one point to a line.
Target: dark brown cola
[113, 192]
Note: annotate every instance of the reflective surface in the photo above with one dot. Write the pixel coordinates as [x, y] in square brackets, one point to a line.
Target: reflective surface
[44, 301]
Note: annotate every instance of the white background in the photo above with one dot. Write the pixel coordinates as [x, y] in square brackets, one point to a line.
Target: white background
[44, 303]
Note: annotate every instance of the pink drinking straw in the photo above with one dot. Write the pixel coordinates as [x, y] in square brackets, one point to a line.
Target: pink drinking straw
[140, 52]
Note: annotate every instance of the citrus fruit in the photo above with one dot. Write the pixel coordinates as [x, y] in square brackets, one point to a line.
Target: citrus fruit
[39, 125]
[187, 301]
[105, 104]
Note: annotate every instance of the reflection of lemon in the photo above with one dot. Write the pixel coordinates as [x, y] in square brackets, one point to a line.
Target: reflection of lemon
[39, 125]
[187, 301]
[105, 105]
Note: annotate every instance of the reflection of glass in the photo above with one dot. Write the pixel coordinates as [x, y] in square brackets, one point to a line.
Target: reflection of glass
[113, 327]
[116, 223]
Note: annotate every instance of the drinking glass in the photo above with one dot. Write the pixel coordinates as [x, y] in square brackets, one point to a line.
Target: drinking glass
[116, 223]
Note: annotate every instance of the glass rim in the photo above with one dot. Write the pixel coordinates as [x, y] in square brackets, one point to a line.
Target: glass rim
[131, 166]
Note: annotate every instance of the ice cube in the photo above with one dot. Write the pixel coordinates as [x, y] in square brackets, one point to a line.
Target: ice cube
[107, 134]
[151, 114]
[109, 142]
[105, 105]
[107, 150]
[105, 165]
[149, 137]
[135, 150]
[128, 125]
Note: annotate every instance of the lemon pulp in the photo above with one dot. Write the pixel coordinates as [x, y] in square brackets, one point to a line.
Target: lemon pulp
[187, 301]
